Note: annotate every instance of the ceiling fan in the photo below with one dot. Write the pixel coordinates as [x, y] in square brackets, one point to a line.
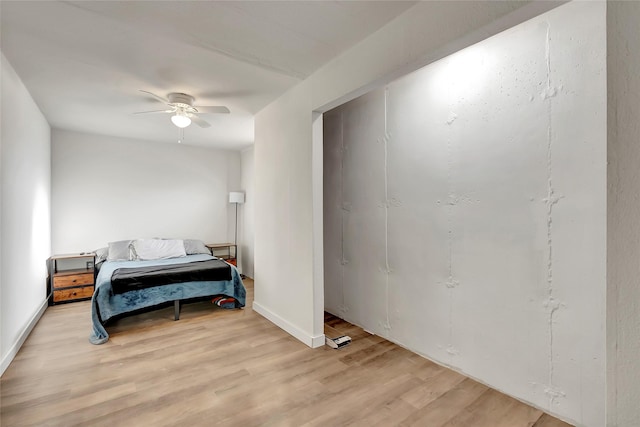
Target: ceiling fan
[182, 110]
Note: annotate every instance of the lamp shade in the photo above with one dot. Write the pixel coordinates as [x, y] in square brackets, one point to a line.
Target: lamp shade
[236, 197]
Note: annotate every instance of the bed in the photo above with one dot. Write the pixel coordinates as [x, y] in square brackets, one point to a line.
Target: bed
[108, 302]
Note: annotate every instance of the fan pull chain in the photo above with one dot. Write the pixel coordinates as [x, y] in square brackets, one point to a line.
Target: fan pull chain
[180, 135]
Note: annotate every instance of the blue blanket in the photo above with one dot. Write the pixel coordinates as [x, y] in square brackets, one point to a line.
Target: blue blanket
[105, 304]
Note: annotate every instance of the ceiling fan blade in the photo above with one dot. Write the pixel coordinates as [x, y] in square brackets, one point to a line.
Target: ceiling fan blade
[212, 109]
[159, 98]
[197, 120]
[154, 111]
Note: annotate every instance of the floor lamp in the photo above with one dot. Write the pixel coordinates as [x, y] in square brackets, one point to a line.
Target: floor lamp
[236, 198]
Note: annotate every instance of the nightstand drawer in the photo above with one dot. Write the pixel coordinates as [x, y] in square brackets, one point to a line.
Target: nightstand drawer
[65, 281]
[72, 294]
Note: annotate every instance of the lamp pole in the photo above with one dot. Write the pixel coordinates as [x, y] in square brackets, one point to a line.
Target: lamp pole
[236, 198]
[235, 240]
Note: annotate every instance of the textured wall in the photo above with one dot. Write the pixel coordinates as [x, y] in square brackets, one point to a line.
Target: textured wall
[465, 211]
[287, 218]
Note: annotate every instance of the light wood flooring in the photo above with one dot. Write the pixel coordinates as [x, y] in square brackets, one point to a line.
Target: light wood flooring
[218, 367]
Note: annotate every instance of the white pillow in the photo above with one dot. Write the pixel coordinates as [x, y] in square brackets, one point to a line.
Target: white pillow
[147, 249]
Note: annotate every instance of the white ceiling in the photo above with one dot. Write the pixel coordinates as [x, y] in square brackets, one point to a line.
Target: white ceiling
[84, 62]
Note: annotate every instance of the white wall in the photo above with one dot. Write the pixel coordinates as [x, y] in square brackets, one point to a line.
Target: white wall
[285, 215]
[623, 225]
[283, 220]
[106, 189]
[465, 211]
[25, 159]
[246, 233]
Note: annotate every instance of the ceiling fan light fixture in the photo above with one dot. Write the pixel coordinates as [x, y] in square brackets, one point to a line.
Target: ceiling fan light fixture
[182, 110]
[181, 120]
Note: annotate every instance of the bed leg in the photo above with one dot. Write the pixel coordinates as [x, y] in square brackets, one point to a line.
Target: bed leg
[176, 310]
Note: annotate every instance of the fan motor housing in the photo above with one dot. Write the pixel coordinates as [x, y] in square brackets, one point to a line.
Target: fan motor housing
[180, 98]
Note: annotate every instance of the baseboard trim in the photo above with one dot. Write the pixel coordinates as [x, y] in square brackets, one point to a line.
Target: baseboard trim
[11, 354]
[317, 341]
[311, 341]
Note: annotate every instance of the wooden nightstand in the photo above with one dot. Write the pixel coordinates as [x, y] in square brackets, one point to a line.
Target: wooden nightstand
[224, 251]
[71, 277]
